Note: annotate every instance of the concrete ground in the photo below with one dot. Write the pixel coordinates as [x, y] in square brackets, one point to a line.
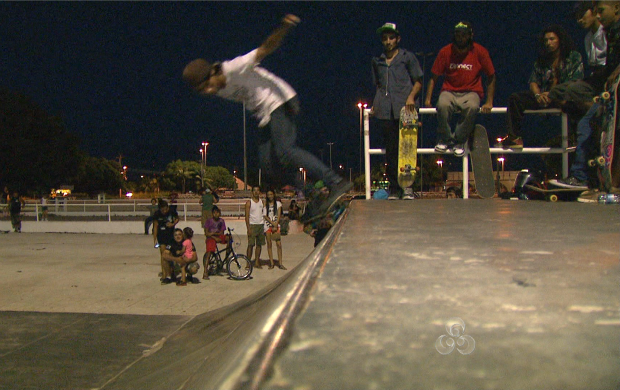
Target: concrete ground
[118, 274]
[526, 292]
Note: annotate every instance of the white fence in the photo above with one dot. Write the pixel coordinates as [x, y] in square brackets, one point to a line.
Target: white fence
[564, 149]
[66, 207]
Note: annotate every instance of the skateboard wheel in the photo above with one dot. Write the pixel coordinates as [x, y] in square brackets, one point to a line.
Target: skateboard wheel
[605, 95]
[592, 163]
[553, 198]
[600, 161]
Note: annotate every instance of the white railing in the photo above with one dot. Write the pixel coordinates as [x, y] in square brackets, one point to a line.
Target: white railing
[91, 208]
[564, 149]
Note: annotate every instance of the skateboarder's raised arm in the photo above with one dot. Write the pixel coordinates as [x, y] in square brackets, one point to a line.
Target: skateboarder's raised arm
[275, 39]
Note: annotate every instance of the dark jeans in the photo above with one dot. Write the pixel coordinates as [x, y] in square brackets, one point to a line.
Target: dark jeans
[147, 224]
[517, 103]
[585, 146]
[278, 153]
[389, 130]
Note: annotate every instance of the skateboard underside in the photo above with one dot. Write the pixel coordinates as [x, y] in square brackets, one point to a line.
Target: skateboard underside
[604, 162]
[481, 162]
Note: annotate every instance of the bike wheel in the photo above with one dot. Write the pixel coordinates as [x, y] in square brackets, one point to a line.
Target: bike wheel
[239, 267]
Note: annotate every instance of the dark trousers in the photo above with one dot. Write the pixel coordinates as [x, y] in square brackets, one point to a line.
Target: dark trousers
[518, 102]
[147, 224]
[389, 130]
[279, 154]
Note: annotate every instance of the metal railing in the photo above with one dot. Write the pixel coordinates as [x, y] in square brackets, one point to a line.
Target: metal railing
[564, 149]
[91, 208]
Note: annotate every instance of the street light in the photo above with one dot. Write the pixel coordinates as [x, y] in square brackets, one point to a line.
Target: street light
[362, 107]
[203, 162]
[330, 154]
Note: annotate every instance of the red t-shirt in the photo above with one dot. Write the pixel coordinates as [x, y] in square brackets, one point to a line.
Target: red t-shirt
[462, 72]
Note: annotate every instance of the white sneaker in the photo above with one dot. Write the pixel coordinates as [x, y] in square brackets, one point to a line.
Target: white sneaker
[458, 150]
[408, 195]
[442, 148]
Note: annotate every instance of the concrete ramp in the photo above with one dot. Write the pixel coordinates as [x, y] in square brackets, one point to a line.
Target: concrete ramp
[431, 294]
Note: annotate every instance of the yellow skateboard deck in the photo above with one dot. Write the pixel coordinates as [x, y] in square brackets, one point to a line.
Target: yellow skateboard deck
[407, 147]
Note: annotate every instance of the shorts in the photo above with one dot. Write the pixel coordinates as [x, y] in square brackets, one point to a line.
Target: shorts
[275, 236]
[212, 244]
[256, 235]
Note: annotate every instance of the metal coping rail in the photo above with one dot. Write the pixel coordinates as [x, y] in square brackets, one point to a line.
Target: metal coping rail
[564, 149]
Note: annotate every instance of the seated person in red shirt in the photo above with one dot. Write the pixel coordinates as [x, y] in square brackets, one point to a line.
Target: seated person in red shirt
[462, 64]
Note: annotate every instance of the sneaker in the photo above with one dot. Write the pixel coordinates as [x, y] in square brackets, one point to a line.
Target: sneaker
[590, 196]
[442, 148]
[408, 195]
[458, 150]
[335, 192]
[510, 142]
[166, 281]
[570, 182]
[393, 196]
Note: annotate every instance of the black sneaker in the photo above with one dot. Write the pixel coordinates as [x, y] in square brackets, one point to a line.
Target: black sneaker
[570, 182]
[510, 142]
[166, 281]
[335, 192]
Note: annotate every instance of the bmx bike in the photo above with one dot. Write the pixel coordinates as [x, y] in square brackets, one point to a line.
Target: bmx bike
[238, 267]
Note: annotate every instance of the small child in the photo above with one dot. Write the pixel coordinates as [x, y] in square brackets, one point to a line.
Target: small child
[188, 253]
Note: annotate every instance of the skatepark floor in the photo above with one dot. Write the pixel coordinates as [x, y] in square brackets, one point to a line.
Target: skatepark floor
[534, 284]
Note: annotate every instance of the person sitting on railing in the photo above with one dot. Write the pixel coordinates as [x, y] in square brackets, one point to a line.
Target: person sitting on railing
[557, 63]
[608, 13]
[462, 64]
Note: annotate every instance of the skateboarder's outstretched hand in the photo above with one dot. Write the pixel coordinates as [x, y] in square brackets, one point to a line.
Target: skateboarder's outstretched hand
[291, 19]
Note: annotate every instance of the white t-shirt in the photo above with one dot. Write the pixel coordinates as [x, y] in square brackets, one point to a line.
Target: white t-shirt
[268, 212]
[256, 212]
[261, 90]
[596, 47]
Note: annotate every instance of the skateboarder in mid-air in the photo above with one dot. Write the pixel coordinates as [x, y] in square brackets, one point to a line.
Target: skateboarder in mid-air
[274, 102]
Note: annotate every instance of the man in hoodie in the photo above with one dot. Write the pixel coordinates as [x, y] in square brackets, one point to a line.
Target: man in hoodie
[397, 76]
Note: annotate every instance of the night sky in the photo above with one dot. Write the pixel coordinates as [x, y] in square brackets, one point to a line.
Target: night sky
[111, 70]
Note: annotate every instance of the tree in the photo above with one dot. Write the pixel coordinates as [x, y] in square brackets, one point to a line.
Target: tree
[97, 175]
[181, 171]
[38, 153]
[219, 177]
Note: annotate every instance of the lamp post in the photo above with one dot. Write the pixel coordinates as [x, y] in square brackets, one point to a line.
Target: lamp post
[499, 160]
[440, 165]
[203, 164]
[330, 154]
[362, 107]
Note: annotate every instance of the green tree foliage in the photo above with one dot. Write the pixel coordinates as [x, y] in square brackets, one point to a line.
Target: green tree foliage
[219, 177]
[96, 175]
[187, 176]
[181, 172]
[37, 151]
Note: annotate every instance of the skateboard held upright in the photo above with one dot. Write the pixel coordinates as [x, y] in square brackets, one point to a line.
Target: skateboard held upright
[481, 162]
[607, 166]
[407, 147]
